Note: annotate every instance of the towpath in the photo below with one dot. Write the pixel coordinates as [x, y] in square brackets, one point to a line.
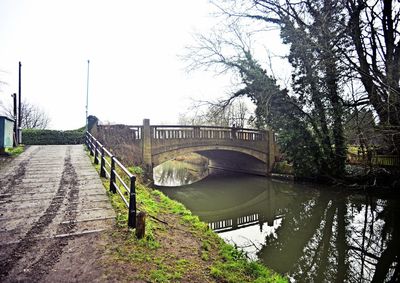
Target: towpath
[53, 209]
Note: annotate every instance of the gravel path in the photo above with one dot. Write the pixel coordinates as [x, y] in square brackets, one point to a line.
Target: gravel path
[53, 208]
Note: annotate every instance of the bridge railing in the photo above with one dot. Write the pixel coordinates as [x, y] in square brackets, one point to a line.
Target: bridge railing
[206, 132]
[233, 224]
[161, 132]
[109, 166]
[135, 131]
[241, 222]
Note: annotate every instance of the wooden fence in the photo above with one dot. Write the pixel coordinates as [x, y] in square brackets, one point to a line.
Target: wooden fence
[375, 160]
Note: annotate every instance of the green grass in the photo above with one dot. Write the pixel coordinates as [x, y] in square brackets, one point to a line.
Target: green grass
[15, 151]
[168, 273]
[235, 267]
[136, 170]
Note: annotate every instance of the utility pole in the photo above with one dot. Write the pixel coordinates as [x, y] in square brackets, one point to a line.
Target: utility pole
[15, 112]
[19, 136]
[87, 95]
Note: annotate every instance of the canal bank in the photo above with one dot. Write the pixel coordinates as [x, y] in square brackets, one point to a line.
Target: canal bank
[178, 247]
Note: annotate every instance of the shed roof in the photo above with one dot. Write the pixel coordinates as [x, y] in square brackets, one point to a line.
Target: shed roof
[7, 118]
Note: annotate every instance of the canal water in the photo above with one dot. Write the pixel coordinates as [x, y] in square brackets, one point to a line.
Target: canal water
[308, 233]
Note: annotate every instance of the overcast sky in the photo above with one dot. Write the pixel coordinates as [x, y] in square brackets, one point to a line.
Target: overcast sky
[133, 47]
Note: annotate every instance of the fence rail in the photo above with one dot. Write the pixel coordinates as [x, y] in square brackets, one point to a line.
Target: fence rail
[376, 160]
[135, 130]
[108, 169]
[386, 160]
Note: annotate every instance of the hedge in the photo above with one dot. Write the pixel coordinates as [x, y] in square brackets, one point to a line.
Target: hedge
[42, 137]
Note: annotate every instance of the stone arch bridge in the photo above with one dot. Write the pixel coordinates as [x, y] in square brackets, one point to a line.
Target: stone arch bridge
[237, 149]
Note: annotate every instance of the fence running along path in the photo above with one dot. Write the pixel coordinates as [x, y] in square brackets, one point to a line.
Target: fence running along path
[109, 171]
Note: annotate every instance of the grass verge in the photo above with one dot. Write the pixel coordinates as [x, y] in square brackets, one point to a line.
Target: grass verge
[178, 247]
[15, 151]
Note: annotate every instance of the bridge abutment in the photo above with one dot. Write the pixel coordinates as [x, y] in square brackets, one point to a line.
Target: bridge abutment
[271, 151]
[146, 146]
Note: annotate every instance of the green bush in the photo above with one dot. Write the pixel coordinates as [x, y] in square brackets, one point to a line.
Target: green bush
[283, 168]
[42, 137]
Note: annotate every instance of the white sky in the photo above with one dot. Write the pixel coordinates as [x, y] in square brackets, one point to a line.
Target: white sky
[133, 47]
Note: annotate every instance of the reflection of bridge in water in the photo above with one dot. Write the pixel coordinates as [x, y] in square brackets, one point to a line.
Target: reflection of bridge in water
[236, 207]
[241, 222]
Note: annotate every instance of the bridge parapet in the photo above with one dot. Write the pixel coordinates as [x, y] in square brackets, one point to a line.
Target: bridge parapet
[206, 132]
[190, 132]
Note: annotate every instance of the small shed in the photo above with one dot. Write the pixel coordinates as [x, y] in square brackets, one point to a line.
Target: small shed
[6, 132]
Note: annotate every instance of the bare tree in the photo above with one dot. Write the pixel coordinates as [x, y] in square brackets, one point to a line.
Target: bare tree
[2, 83]
[236, 113]
[32, 116]
[374, 30]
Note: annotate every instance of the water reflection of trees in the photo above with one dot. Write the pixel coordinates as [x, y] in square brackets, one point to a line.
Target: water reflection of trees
[336, 240]
[175, 173]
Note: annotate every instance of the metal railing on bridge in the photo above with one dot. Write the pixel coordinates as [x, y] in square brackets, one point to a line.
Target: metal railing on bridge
[160, 132]
[240, 222]
[232, 224]
[108, 169]
[206, 132]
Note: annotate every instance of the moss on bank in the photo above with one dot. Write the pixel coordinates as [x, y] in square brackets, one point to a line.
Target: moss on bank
[15, 151]
[178, 247]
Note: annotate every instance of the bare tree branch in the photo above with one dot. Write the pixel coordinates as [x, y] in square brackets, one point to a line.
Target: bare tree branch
[32, 117]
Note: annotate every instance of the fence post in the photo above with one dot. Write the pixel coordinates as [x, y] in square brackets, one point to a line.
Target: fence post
[86, 140]
[95, 154]
[113, 189]
[91, 146]
[102, 164]
[132, 203]
[196, 132]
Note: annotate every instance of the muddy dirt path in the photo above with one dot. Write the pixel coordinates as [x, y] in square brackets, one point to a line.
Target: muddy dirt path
[53, 209]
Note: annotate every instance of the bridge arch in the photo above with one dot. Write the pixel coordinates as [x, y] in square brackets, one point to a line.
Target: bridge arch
[161, 157]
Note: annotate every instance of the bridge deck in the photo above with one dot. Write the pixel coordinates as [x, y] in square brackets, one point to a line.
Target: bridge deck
[52, 206]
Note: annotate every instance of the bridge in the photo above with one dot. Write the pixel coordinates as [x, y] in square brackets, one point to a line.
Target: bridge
[237, 149]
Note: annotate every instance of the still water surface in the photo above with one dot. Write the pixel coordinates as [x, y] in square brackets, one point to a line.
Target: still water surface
[310, 234]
